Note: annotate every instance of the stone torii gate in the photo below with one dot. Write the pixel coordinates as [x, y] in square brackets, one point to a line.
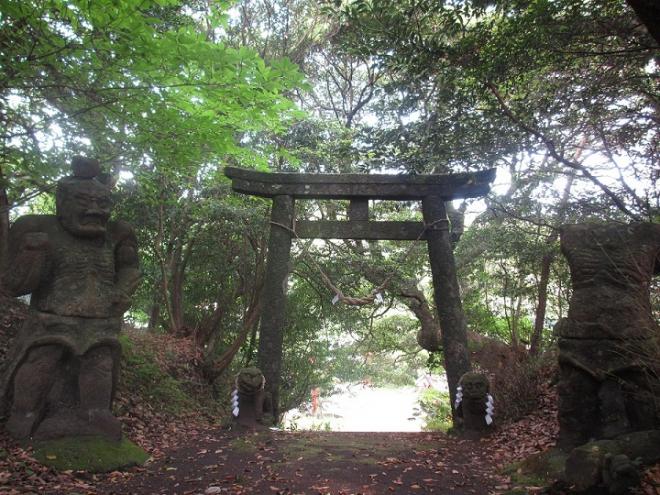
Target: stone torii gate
[432, 190]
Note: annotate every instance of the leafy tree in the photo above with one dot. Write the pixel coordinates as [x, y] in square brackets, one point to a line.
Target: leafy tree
[136, 84]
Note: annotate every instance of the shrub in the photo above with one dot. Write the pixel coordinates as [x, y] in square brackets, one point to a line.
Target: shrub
[437, 407]
[516, 379]
[516, 389]
[141, 375]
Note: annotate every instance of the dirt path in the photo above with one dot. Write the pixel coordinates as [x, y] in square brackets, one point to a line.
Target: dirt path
[221, 462]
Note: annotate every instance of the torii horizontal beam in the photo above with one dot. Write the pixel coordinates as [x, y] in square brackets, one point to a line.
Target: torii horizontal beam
[356, 229]
[373, 186]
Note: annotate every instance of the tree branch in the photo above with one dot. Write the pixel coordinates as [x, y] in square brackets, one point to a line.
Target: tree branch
[552, 150]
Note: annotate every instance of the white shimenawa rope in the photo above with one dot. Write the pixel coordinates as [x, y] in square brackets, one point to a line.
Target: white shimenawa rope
[459, 396]
[234, 403]
[490, 407]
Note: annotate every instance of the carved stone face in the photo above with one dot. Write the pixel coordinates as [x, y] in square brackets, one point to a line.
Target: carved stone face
[83, 206]
[250, 380]
[475, 385]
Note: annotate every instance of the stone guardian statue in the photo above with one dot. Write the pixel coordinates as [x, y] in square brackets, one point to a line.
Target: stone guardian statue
[608, 344]
[474, 405]
[251, 404]
[81, 269]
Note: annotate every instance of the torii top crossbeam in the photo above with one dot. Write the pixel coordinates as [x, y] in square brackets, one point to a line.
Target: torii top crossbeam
[372, 186]
[359, 189]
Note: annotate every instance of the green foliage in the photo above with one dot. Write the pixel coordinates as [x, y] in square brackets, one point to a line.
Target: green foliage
[543, 91]
[92, 454]
[435, 362]
[138, 84]
[171, 92]
[154, 91]
[499, 262]
[326, 342]
[437, 407]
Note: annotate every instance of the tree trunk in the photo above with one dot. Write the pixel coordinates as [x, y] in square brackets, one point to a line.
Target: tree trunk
[163, 264]
[429, 336]
[178, 264]
[539, 318]
[207, 335]
[4, 224]
[214, 369]
[176, 297]
[546, 264]
[516, 316]
[251, 346]
[509, 310]
[154, 317]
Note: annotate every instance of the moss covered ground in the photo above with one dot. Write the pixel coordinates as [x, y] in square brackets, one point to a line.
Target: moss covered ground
[537, 470]
[92, 454]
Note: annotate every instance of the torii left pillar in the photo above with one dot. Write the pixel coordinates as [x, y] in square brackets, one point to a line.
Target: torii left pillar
[273, 321]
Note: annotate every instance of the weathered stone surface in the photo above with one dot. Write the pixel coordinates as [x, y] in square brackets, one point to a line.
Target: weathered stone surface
[475, 404]
[608, 343]
[273, 321]
[447, 294]
[612, 466]
[85, 168]
[81, 270]
[376, 186]
[374, 231]
[251, 403]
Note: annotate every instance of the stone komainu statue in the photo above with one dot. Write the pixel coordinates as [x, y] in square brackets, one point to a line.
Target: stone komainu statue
[608, 344]
[81, 269]
[251, 404]
[474, 404]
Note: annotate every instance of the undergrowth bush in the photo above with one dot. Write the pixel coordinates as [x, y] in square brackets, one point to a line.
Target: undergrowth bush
[165, 371]
[437, 407]
[140, 375]
[516, 380]
[516, 389]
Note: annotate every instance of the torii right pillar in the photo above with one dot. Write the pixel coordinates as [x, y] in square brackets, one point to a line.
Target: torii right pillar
[446, 292]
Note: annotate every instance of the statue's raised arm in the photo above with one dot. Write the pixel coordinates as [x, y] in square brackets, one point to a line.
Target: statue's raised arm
[28, 256]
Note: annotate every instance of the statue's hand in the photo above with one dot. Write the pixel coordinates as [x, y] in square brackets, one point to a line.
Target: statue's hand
[35, 241]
